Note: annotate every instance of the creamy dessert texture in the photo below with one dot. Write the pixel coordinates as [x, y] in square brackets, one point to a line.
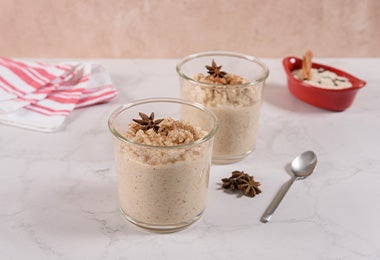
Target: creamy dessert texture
[322, 78]
[237, 108]
[160, 184]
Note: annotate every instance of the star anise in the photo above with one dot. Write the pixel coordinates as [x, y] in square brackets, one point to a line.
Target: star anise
[215, 70]
[240, 180]
[229, 184]
[250, 187]
[147, 122]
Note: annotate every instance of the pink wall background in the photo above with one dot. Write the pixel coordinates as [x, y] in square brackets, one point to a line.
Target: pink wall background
[172, 29]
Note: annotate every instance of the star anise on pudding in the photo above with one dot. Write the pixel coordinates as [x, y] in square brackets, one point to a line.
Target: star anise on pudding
[215, 70]
[147, 122]
[240, 180]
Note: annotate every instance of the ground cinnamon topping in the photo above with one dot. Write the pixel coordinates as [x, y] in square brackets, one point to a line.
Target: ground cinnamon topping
[170, 133]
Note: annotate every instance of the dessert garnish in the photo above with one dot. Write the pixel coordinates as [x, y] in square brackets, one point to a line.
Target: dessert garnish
[215, 70]
[306, 65]
[242, 181]
[147, 122]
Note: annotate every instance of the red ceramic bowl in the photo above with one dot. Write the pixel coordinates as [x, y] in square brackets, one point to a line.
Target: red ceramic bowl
[330, 99]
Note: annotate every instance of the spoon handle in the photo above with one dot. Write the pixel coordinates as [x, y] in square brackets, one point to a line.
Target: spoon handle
[276, 201]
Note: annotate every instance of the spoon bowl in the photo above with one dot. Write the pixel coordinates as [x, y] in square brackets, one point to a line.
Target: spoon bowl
[302, 166]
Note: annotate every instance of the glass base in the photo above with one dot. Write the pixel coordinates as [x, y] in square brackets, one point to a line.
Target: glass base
[162, 229]
[228, 159]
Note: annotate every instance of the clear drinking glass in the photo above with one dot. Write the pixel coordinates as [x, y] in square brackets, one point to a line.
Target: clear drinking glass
[237, 106]
[162, 188]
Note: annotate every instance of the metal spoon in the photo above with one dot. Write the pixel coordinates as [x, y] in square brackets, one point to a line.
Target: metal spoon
[302, 166]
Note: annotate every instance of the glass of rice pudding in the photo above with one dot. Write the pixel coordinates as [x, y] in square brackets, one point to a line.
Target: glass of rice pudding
[230, 85]
[163, 159]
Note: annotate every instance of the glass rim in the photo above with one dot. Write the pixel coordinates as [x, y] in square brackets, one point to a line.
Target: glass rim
[124, 107]
[253, 59]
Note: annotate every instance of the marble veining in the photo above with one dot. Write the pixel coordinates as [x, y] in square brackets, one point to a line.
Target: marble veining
[59, 199]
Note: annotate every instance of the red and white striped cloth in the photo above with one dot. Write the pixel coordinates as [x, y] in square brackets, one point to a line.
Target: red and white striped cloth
[40, 96]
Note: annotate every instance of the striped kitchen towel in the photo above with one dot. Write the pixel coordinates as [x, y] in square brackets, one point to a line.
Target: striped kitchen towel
[40, 96]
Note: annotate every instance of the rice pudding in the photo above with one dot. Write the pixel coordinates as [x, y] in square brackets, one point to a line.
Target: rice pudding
[237, 110]
[163, 180]
[322, 78]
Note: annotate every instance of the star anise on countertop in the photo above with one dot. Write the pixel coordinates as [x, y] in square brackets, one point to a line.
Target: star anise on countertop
[147, 122]
[215, 70]
[250, 187]
[240, 180]
[232, 182]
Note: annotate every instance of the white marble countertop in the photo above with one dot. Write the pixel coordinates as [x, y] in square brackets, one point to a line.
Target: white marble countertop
[58, 190]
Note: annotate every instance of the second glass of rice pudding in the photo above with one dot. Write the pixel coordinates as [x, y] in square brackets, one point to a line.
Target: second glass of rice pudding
[231, 86]
[163, 150]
